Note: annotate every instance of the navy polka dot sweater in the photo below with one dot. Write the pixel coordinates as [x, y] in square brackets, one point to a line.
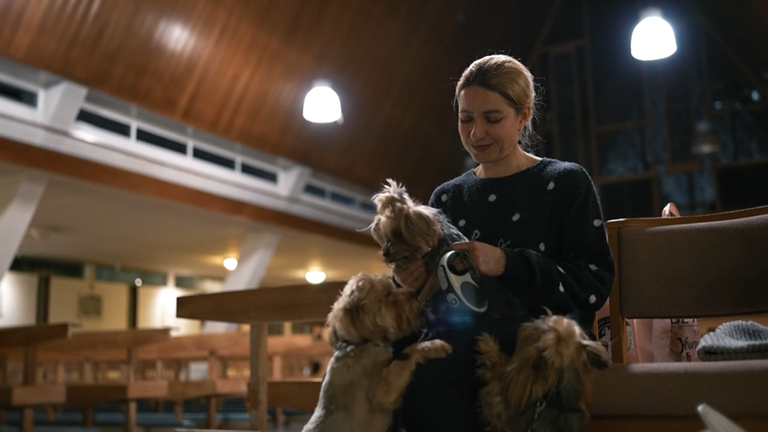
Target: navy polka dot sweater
[548, 221]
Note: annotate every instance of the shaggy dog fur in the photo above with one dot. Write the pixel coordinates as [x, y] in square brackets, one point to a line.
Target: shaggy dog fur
[545, 386]
[363, 384]
[405, 230]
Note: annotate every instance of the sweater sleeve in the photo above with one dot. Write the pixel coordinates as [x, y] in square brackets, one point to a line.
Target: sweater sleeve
[578, 277]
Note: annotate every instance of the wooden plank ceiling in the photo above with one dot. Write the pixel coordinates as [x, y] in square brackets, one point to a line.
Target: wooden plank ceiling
[240, 69]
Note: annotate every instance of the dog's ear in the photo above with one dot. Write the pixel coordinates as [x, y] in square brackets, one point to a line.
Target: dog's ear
[597, 355]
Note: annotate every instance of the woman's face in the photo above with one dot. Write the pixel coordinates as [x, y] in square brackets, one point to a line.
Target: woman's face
[488, 126]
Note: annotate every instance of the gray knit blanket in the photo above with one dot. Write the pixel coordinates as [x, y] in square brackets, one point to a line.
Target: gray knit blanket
[734, 340]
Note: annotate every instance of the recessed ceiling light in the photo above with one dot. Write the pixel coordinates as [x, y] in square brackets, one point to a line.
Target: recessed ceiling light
[315, 276]
[230, 263]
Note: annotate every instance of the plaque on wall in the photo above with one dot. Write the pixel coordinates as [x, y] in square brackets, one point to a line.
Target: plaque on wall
[89, 306]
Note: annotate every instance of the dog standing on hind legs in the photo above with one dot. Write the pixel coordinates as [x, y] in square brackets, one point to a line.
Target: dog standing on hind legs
[545, 385]
[363, 384]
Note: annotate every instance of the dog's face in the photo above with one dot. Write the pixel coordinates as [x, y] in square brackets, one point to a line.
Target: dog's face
[371, 308]
[554, 355]
[403, 228]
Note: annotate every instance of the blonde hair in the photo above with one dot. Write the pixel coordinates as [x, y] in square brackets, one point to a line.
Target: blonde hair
[511, 79]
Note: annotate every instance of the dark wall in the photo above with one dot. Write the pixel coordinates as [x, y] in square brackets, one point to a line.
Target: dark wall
[692, 128]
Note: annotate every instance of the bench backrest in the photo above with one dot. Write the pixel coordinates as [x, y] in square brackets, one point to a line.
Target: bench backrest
[694, 266]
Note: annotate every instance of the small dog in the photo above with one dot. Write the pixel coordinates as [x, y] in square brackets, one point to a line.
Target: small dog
[363, 384]
[406, 229]
[545, 386]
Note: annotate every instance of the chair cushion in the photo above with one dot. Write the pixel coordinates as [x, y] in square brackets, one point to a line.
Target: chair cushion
[735, 388]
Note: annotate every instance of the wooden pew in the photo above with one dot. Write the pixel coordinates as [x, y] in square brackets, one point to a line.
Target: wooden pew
[213, 348]
[257, 307]
[30, 393]
[123, 343]
[166, 360]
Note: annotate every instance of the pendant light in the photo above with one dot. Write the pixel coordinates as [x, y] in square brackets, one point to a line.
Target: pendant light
[322, 104]
[652, 38]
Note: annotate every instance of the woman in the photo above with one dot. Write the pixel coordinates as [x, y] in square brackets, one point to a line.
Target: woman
[536, 223]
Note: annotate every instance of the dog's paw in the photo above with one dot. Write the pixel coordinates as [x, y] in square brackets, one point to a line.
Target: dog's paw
[490, 359]
[433, 349]
[486, 344]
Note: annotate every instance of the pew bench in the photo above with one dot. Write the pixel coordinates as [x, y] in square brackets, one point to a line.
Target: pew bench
[101, 418]
[693, 267]
[212, 348]
[30, 393]
[89, 394]
[258, 307]
[55, 428]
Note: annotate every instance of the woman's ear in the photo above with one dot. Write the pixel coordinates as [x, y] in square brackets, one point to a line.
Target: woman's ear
[525, 116]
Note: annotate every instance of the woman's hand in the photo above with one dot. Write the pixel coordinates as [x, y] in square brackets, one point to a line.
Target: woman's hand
[488, 260]
[670, 210]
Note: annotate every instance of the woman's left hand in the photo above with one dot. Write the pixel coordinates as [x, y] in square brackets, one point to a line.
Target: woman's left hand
[488, 260]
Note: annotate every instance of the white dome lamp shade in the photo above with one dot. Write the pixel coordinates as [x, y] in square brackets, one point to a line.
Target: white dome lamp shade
[322, 104]
[652, 38]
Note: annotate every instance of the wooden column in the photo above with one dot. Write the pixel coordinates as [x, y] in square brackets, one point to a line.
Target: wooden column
[211, 421]
[130, 413]
[3, 381]
[277, 374]
[30, 378]
[4, 375]
[259, 375]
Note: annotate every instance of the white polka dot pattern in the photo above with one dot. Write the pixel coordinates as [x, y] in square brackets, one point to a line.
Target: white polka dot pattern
[561, 270]
[597, 223]
[462, 223]
[551, 185]
[516, 217]
[444, 197]
[492, 198]
[561, 288]
[592, 267]
[592, 299]
[542, 247]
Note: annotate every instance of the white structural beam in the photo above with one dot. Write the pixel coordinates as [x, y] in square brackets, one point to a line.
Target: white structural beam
[62, 103]
[293, 179]
[19, 197]
[255, 253]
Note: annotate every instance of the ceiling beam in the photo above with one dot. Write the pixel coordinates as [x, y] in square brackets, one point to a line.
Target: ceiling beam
[57, 163]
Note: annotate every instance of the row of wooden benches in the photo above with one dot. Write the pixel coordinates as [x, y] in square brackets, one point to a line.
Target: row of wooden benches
[36, 364]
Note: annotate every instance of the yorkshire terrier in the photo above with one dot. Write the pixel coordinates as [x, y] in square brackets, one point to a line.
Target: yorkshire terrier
[363, 384]
[406, 229]
[546, 385]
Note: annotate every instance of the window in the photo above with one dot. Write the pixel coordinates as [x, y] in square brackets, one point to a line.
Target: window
[342, 199]
[213, 158]
[157, 140]
[314, 190]
[261, 173]
[105, 123]
[18, 94]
